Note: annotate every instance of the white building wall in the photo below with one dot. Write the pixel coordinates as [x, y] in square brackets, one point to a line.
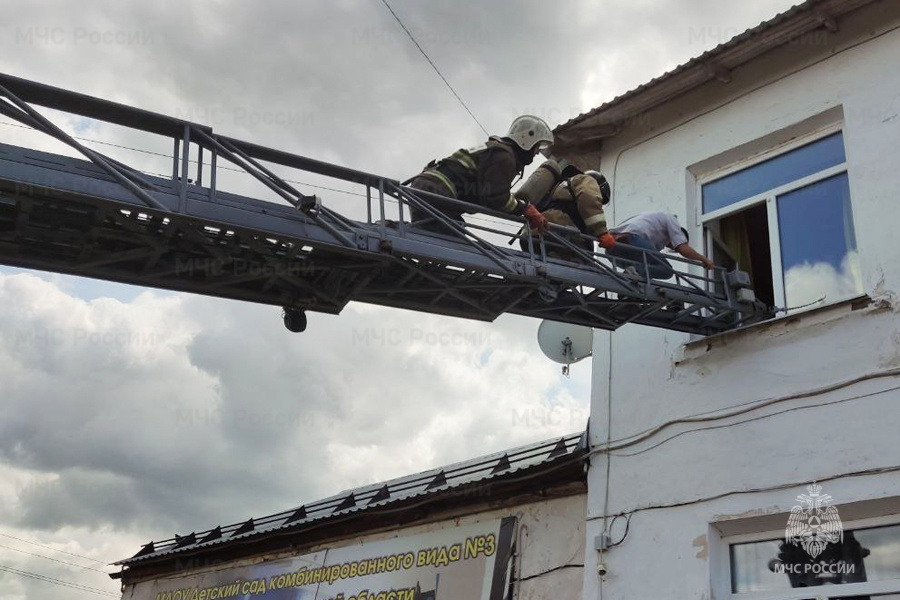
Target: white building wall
[841, 359]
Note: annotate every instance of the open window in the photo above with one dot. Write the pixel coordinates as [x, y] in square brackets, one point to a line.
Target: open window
[787, 221]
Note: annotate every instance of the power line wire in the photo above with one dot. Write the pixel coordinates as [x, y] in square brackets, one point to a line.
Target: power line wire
[433, 66]
[12, 537]
[60, 582]
[53, 559]
[548, 571]
[756, 490]
[736, 410]
[753, 419]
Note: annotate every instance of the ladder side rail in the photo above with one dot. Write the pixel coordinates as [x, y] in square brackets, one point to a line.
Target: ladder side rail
[176, 152]
[200, 166]
[142, 120]
[213, 162]
[381, 208]
[683, 279]
[517, 220]
[45, 126]
[590, 261]
[185, 166]
[126, 170]
[150, 122]
[307, 203]
[485, 228]
[95, 108]
[266, 179]
[485, 248]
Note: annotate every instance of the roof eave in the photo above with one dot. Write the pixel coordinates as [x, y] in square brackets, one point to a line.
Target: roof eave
[555, 479]
[589, 129]
[435, 483]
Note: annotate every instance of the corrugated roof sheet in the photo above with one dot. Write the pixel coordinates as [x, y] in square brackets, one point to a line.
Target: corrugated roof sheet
[716, 63]
[359, 500]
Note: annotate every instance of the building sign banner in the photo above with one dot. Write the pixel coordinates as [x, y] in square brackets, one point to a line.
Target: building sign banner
[459, 563]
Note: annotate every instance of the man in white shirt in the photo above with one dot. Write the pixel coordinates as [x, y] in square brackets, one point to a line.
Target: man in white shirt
[653, 231]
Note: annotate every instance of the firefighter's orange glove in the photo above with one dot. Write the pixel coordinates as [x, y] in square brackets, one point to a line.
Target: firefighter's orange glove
[536, 220]
[607, 241]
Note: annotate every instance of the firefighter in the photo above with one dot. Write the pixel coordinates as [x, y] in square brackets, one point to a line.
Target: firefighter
[567, 196]
[485, 174]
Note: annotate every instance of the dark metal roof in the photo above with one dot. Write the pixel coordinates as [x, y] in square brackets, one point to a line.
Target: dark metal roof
[717, 63]
[360, 500]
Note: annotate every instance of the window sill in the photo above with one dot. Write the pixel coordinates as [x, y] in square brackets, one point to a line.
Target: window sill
[799, 320]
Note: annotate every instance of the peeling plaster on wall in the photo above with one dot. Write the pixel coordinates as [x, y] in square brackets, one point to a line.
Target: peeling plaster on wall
[701, 542]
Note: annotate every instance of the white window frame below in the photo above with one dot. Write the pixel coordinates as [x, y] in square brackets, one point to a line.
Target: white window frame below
[825, 592]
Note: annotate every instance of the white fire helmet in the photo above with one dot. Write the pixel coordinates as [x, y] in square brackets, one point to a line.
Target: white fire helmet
[528, 131]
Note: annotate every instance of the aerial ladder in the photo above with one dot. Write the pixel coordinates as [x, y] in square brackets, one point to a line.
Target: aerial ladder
[96, 216]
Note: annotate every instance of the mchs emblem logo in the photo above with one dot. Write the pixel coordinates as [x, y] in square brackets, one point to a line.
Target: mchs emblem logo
[814, 524]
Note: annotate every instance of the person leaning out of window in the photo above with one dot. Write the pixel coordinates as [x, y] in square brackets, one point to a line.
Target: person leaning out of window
[650, 231]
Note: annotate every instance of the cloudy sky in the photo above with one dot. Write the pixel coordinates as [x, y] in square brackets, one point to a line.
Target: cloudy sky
[129, 414]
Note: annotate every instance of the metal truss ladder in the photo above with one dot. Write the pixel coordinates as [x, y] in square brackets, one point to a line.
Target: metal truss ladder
[101, 218]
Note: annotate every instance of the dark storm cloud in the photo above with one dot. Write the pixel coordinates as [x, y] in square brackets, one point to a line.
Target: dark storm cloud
[176, 413]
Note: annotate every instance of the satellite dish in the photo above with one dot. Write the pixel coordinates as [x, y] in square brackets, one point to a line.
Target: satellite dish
[565, 343]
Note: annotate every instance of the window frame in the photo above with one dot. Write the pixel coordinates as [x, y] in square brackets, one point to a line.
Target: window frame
[825, 592]
[769, 198]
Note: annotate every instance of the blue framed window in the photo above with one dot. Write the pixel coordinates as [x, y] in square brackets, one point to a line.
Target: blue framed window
[775, 172]
[788, 221]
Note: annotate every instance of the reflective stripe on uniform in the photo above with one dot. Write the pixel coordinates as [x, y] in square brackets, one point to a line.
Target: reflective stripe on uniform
[512, 203]
[464, 159]
[601, 218]
[435, 174]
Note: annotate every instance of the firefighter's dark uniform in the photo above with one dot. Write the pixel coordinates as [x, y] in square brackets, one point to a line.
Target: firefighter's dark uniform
[481, 175]
[574, 202]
